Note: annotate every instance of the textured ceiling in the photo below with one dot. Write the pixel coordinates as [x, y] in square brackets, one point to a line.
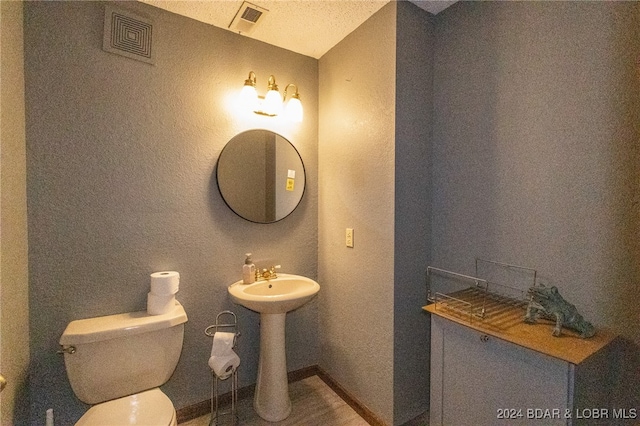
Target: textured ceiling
[309, 27]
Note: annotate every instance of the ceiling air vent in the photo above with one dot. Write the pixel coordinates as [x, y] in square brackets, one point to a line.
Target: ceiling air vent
[128, 34]
[247, 18]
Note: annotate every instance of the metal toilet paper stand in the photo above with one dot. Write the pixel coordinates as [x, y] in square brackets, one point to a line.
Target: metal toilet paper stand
[219, 417]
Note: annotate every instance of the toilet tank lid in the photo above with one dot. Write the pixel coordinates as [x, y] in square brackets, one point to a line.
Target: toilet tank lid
[111, 326]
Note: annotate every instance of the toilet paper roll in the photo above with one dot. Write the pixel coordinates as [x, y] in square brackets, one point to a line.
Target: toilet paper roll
[223, 360]
[160, 304]
[222, 343]
[223, 366]
[165, 283]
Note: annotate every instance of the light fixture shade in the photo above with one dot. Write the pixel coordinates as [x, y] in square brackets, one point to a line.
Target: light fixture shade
[249, 98]
[293, 110]
[272, 103]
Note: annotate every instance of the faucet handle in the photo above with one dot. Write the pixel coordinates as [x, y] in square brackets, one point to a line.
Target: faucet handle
[267, 274]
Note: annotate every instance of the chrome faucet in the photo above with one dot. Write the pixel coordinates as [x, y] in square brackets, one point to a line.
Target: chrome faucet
[267, 274]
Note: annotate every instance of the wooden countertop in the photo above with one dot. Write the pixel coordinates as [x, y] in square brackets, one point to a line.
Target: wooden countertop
[506, 322]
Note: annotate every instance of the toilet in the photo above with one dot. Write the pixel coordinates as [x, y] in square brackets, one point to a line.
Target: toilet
[116, 364]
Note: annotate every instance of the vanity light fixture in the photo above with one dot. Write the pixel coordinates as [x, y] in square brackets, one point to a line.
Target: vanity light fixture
[272, 104]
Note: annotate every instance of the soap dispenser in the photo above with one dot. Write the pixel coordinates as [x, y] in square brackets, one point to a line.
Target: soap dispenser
[248, 270]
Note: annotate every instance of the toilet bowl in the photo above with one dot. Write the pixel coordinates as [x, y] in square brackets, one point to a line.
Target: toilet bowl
[116, 363]
[149, 408]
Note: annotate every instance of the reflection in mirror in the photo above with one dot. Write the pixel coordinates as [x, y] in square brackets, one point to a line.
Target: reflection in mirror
[261, 176]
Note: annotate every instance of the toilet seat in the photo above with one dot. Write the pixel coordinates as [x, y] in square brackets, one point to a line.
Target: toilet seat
[149, 408]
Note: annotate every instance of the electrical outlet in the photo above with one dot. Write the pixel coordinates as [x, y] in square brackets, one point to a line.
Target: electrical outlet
[349, 237]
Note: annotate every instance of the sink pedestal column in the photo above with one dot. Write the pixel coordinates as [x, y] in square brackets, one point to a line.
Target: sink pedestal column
[271, 400]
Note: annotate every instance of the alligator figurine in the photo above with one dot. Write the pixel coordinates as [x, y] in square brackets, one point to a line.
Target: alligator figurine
[546, 302]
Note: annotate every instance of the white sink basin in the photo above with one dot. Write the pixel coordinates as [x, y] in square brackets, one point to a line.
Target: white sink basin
[275, 296]
[273, 299]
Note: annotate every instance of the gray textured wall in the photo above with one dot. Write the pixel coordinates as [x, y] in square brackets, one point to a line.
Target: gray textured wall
[376, 90]
[13, 220]
[536, 147]
[121, 183]
[413, 129]
[536, 150]
[356, 158]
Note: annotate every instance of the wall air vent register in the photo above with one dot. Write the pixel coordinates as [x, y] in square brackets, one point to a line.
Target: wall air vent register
[128, 34]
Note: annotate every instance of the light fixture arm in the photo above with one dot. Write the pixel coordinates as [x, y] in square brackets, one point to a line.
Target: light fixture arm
[251, 80]
[296, 95]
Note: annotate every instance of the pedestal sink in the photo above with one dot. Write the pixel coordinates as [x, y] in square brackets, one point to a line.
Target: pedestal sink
[273, 298]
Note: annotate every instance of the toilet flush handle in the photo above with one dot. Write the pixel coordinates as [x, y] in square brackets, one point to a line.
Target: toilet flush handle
[67, 350]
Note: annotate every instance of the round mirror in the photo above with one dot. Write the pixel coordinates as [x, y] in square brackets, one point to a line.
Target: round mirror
[261, 176]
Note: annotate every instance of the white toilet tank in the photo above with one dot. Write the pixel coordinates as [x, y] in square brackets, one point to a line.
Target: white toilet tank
[119, 355]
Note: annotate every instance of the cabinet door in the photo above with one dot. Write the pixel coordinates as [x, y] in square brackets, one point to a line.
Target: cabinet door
[482, 380]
